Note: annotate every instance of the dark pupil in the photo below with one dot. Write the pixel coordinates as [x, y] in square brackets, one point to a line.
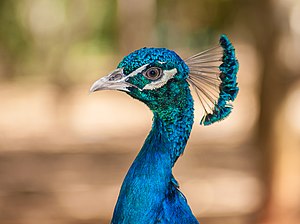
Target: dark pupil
[153, 73]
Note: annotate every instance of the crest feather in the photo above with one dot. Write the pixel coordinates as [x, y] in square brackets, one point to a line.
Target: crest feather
[213, 77]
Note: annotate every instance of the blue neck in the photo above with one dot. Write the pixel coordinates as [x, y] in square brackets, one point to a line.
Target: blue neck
[150, 178]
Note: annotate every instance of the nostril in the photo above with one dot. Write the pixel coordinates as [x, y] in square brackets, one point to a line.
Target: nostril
[115, 76]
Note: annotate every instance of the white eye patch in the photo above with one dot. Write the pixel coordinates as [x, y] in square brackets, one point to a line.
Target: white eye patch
[168, 74]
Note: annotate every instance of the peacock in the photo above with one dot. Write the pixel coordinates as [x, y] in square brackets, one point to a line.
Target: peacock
[162, 80]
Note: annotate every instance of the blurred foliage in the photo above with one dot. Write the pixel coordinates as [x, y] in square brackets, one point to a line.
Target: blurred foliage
[13, 37]
[14, 43]
[40, 40]
[199, 22]
[105, 32]
[38, 37]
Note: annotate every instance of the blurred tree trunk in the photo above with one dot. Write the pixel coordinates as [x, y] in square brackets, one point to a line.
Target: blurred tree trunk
[266, 27]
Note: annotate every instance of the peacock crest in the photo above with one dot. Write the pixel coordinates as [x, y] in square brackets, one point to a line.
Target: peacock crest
[213, 76]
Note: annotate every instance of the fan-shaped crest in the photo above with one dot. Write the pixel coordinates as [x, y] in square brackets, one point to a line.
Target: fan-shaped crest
[213, 76]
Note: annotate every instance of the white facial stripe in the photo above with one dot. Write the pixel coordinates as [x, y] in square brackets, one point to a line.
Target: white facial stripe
[137, 71]
[168, 74]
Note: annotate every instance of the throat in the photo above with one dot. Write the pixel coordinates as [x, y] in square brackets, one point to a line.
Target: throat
[174, 120]
[176, 130]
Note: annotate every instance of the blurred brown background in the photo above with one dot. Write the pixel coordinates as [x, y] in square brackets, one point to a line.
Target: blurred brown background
[64, 153]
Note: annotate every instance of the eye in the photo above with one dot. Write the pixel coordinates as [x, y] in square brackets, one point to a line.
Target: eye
[153, 73]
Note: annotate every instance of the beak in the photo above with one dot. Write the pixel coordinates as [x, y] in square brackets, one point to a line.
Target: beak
[116, 80]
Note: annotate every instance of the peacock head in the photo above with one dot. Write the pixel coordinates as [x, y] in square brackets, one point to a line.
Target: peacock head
[155, 76]
[159, 78]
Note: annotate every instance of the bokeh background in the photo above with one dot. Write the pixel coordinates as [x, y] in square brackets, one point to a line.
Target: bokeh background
[64, 153]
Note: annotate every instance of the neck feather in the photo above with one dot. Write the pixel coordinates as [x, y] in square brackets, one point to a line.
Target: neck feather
[176, 124]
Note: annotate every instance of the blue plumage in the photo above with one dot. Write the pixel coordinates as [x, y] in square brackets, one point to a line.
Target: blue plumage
[160, 78]
[149, 193]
